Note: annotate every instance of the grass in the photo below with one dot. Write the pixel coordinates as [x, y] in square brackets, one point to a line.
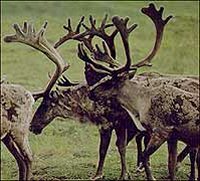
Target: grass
[67, 149]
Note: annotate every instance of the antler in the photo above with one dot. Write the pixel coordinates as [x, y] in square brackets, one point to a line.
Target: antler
[27, 35]
[72, 34]
[156, 17]
[100, 32]
[104, 55]
[98, 67]
[87, 36]
[121, 26]
[64, 81]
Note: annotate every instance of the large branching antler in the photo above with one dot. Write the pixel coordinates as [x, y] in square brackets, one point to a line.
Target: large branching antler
[27, 35]
[100, 32]
[87, 36]
[156, 17]
[72, 34]
[121, 26]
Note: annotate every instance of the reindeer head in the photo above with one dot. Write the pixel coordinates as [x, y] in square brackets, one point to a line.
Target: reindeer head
[70, 102]
[37, 40]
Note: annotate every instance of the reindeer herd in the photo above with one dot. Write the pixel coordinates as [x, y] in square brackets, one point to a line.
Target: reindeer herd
[151, 107]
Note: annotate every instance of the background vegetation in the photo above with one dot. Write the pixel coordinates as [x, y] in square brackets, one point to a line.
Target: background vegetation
[67, 149]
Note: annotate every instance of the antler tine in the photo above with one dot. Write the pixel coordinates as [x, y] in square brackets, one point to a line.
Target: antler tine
[104, 56]
[121, 25]
[64, 81]
[27, 35]
[70, 33]
[103, 23]
[156, 17]
[100, 32]
[98, 67]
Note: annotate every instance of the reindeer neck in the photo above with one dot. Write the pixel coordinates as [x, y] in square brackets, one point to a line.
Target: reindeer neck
[82, 107]
[135, 97]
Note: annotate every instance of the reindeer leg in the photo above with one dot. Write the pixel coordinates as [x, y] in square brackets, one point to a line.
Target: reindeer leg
[121, 145]
[193, 154]
[182, 156]
[12, 147]
[28, 157]
[139, 137]
[138, 140]
[105, 136]
[172, 157]
[157, 139]
[24, 148]
[140, 166]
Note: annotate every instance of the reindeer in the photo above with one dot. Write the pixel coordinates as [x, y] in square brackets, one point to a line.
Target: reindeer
[16, 113]
[166, 112]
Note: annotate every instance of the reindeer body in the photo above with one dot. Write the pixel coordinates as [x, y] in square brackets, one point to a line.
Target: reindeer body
[166, 110]
[165, 106]
[16, 114]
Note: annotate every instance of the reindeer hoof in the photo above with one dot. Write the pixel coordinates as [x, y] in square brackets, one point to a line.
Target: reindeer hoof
[97, 177]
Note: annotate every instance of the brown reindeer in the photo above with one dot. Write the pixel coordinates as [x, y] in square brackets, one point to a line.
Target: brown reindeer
[167, 112]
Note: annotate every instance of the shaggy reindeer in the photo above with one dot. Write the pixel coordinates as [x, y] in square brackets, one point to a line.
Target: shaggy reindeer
[16, 113]
[93, 76]
[166, 112]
